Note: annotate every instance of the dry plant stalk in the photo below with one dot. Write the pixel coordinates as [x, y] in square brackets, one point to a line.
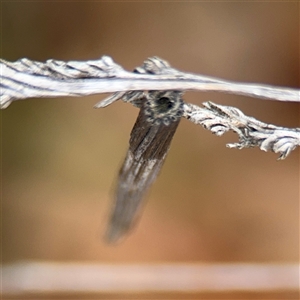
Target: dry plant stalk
[26, 79]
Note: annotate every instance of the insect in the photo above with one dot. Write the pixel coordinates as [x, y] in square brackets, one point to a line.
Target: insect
[152, 133]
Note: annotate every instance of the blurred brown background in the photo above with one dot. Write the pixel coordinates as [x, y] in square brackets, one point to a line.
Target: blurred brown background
[60, 157]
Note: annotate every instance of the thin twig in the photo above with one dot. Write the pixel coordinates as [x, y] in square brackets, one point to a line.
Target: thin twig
[251, 132]
[26, 78]
[65, 278]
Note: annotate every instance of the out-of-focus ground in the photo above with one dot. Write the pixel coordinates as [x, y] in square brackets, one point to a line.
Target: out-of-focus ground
[60, 157]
